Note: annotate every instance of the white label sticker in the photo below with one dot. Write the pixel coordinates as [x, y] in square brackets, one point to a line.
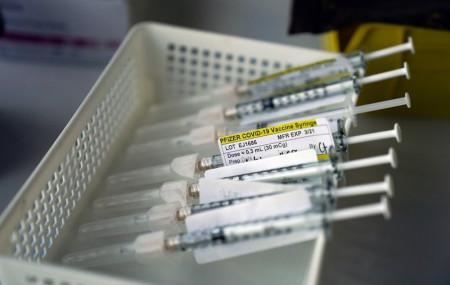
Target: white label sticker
[277, 140]
[213, 190]
[253, 210]
[275, 162]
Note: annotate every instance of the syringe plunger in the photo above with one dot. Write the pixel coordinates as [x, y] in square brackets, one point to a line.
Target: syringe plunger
[386, 75]
[408, 46]
[394, 133]
[362, 211]
[389, 158]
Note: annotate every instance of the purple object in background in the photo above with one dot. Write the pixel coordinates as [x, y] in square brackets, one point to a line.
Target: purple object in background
[86, 31]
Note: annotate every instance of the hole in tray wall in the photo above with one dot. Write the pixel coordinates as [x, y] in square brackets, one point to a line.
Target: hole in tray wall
[192, 70]
[43, 222]
[32, 279]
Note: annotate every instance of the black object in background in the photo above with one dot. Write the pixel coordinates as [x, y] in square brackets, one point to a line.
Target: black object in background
[321, 16]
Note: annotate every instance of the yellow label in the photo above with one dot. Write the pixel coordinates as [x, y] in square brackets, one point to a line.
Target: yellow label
[267, 131]
[323, 156]
[289, 70]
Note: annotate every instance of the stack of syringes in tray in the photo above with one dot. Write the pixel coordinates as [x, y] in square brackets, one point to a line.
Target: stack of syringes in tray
[244, 169]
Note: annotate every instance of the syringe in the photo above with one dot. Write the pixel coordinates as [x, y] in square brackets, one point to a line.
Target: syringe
[353, 63]
[170, 217]
[197, 138]
[203, 140]
[346, 113]
[346, 85]
[187, 192]
[192, 166]
[153, 246]
[230, 240]
[293, 174]
[322, 96]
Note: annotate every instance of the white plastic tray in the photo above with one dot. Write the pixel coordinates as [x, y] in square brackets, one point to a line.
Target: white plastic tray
[155, 62]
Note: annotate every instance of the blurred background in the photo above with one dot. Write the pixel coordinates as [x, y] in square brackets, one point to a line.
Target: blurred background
[52, 52]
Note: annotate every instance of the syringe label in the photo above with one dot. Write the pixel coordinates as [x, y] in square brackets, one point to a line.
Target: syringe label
[277, 140]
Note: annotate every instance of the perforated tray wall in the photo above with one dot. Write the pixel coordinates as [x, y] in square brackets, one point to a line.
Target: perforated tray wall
[154, 63]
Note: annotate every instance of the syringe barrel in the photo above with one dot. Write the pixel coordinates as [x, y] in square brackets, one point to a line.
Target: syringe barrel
[357, 61]
[165, 129]
[129, 201]
[198, 208]
[275, 225]
[180, 168]
[344, 86]
[101, 256]
[178, 143]
[289, 174]
[251, 230]
[180, 108]
[298, 76]
[116, 226]
[347, 85]
[157, 218]
[140, 177]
